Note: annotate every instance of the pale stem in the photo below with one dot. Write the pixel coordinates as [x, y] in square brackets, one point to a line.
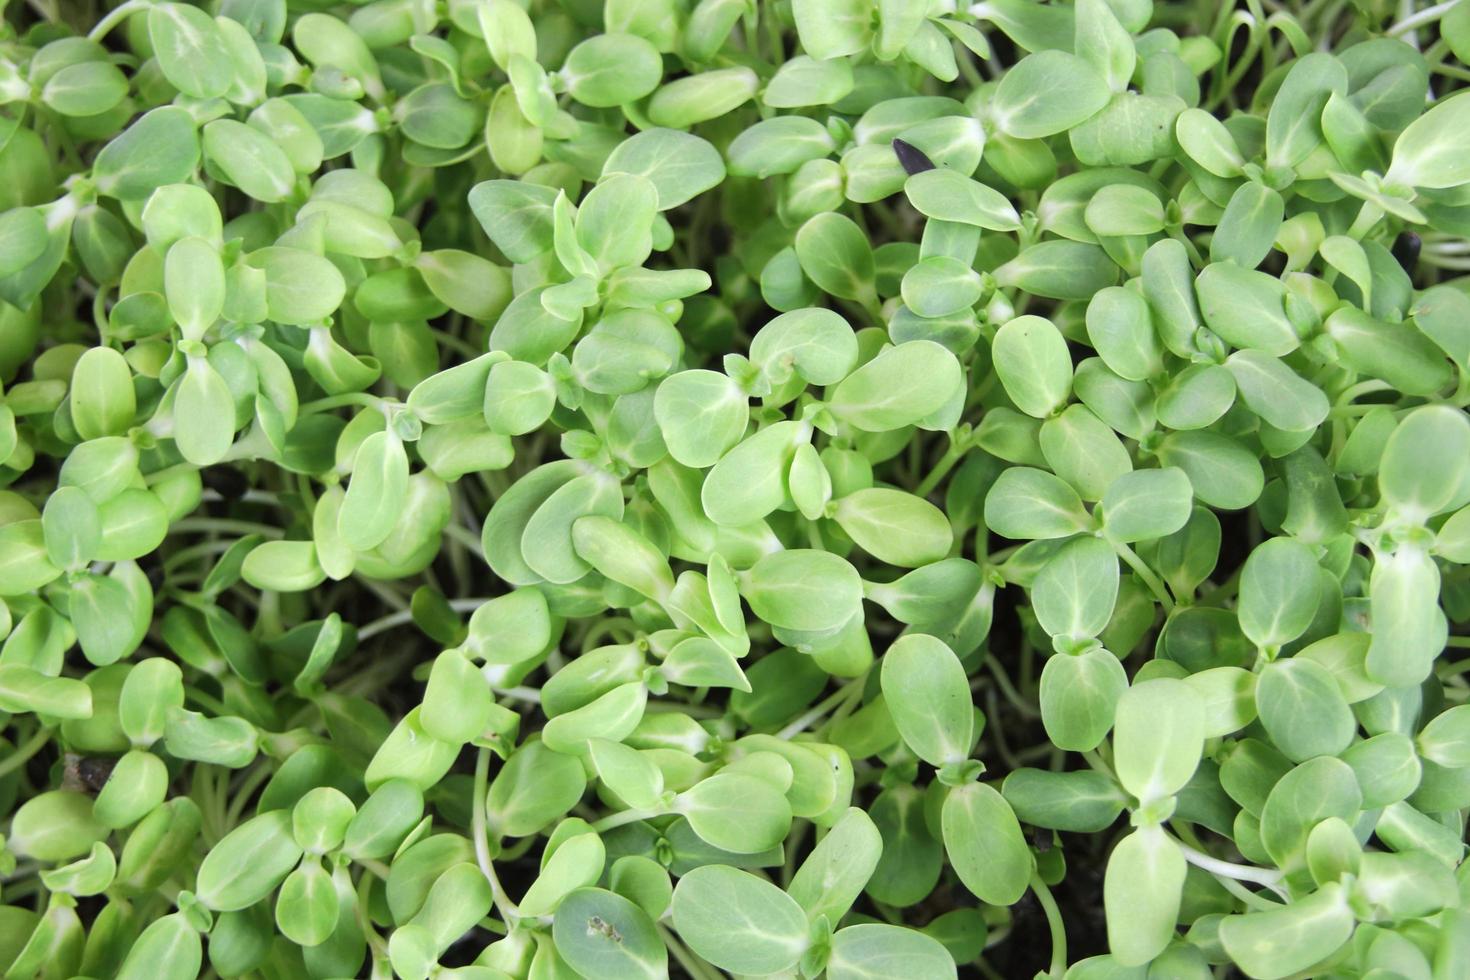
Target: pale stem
[1055, 925]
[507, 908]
[1426, 16]
[1266, 877]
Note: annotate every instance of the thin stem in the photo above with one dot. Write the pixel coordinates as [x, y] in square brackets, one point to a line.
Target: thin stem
[508, 910]
[1353, 392]
[1266, 877]
[1146, 574]
[388, 596]
[1368, 216]
[692, 966]
[369, 931]
[360, 398]
[1053, 923]
[405, 616]
[224, 525]
[242, 795]
[952, 455]
[1097, 763]
[804, 720]
[377, 867]
[23, 754]
[1426, 16]
[997, 733]
[115, 17]
[466, 538]
[626, 817]
[1003, 681]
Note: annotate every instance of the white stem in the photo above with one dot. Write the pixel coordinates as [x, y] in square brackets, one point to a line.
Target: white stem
[406, 616]
[1267, 877]
[1426, 16]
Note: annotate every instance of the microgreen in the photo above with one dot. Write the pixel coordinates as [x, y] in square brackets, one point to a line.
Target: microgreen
[606, 489]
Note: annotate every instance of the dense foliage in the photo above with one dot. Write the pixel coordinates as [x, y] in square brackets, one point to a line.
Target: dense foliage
[873, 488]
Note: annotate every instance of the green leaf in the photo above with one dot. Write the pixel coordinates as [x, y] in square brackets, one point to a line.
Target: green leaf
[833, 28]
[1315, 790]
[1291, 939]
[679, 165]
[1293, 125]
[1081, 801]
[1278, 592]
[1027, 503]
[928, 695]
[886, 393]
[1303, 709]
[834, 874]
[875, 951]
[162, 147]
[805, 81]
[250, 159]
[1084, 451]
[946, 195]
[1046, 93]
[1277, 393]
[103, 401]
[1246, 308]
[1079, 696]
[779, 145]
[376, 493]
[896, 527]
[1145, 504]
[194, 284]
[1224, 473]
[86, 89]
[1158, 737]
[1249, 226]
[204, 412]
[1074, 593]
[736, 812]
[1431, 151]
[190, 50]
[1423, 468]
[301, 288]
[701, 415]
[516, 216]
[698, 98]
[835, 254]
[1408, 627]
[739, 922]
[626, 772]
[1445, 740]
[168, 949]
[611, 70]
[604, 936]
[1059, 270]
[622, 555]
[984, 843]
[1104, 43]
[1208, 143]
[248, 863]
[1123, 209]
[803, 589]
[615, 221]
[576, 863]
[535, 787]
[941, 286]
[1142, 890]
